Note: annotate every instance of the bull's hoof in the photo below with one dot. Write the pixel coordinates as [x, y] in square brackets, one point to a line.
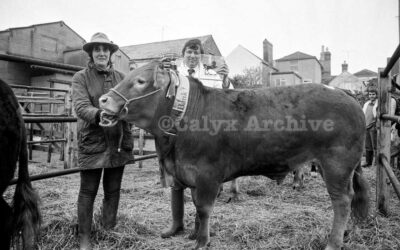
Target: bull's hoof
[171, 232]
[298, 187]
[192, 235]
[202, 246]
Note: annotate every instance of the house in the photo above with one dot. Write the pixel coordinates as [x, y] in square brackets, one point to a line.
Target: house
[308, 67]
[285, 78]
[241, 60]
[366, 75]
[346, 80]
[36, 54]
[141, 54]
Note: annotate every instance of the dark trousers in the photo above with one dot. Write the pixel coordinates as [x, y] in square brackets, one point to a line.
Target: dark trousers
[370, 139]
[90, 180]
[370, 144]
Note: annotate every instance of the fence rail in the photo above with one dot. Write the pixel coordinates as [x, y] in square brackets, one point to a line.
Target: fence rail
[49, 119]
[74, 170]
[391, 62]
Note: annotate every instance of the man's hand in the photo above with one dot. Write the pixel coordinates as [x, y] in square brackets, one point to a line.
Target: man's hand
[223, 70]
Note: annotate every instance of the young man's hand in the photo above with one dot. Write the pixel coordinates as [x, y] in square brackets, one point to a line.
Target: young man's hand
[223, 70]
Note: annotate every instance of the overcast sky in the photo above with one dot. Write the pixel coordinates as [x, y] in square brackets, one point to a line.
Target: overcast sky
[362, 32]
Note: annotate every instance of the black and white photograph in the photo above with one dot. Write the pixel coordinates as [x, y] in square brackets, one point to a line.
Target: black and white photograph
[175, 125]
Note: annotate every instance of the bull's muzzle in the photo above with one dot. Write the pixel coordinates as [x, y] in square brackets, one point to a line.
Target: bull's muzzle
[107, 117]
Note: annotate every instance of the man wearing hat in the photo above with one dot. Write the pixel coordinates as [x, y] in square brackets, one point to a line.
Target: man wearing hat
[108, 148]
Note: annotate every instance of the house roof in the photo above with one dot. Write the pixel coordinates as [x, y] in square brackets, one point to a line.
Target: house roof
[42, 24]
[157, 49]
[327, 80]
[298, 56]
[366, 73]
[346, 78]
[287, 73]
[259, 58]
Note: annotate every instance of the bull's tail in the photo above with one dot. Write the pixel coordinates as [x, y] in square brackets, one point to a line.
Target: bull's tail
[26, 214]
[360, 202]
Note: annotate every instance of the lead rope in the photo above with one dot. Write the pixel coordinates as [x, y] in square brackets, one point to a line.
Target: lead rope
[121, 130]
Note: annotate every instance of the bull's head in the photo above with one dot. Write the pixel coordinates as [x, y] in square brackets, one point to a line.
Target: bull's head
[136, 98]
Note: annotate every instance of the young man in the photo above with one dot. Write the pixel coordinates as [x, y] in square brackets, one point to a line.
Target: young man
[370, 110]
[192, 66]
[215, 78]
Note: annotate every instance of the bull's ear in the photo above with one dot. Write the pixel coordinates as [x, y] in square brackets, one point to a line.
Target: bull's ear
[161, 78]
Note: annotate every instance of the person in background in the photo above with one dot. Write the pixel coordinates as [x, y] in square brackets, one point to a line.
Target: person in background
[370, 111]
[108, 148]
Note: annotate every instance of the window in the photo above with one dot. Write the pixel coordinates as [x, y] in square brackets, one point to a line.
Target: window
[294, 66]
[280, 82]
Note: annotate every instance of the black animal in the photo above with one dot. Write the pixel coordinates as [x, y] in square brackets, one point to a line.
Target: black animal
[24, 216]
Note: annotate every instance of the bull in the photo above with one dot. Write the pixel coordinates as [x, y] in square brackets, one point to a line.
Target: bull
[205, 137]
[24, 216]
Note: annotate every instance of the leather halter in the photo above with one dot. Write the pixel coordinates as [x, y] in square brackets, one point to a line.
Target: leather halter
[124, 111]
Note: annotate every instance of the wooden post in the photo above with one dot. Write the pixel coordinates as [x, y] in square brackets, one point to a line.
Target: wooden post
[31, 139]
[141, 145]
[71, 136]
[395, 182]
[383, 145]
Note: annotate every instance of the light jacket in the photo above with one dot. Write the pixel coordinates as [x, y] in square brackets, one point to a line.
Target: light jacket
[98, 146]
[392, 107]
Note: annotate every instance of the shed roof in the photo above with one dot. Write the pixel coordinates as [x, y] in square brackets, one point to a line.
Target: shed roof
[42, 24]
[157, 49]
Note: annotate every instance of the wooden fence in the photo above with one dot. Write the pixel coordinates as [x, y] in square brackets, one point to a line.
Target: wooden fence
[384, 173]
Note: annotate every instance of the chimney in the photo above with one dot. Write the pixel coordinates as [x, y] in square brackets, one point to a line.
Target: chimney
[325, 60]
[267, 52]
[345, 67]
[322, 55]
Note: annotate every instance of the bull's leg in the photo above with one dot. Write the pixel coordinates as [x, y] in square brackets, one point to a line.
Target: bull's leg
[204, 196]
[193, 234]
[338, 179]
[177, 208]
[298, 179]
[235, 189]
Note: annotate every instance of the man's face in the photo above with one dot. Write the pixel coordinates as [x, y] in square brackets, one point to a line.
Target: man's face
[192, 57]
[372, 96]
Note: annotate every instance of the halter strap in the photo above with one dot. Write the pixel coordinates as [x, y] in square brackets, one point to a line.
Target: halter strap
[127, 101]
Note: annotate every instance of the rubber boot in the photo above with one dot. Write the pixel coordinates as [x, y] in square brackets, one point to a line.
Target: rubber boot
[369, 156]
[85, 215]
[109, 211]
[177, 207]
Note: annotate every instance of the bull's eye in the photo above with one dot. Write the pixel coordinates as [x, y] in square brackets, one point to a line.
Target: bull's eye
[141, 81]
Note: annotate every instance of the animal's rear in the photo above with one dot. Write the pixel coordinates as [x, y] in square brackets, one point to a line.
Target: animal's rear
[26, 214]
[25, 211]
